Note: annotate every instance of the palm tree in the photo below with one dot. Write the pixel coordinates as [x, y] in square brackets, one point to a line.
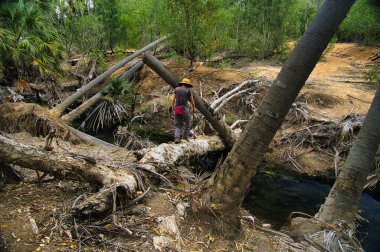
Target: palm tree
[342, 203]
[34, 44]
[234, 176]
[6, 45]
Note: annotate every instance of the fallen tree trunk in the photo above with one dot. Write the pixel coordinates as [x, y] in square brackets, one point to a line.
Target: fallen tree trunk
[65, 166]
[225, 133]
[90, 139]
[181, 153]
[74, 114]
[112, 178]
[60, 108]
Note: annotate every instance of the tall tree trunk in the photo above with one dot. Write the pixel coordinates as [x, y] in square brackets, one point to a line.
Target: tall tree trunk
[225, 133]
[60, 108]
[74, 114]
[234, 176]
[343, 200]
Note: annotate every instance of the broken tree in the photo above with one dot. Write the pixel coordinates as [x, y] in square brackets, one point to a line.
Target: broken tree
[112, 177]
[60, 108]
[74, 114]
[214, 118]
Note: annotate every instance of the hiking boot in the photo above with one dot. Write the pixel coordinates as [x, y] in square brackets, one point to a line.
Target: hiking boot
[177, 140]
[186, 139]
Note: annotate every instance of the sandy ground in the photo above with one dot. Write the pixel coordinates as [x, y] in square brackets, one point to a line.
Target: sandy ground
[339, 76]
[336, 88]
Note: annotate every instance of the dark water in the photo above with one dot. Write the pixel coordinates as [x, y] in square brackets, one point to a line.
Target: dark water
[273, 197]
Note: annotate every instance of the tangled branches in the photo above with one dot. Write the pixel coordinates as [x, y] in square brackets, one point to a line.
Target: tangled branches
[325, 135]
[128, 139]
[332, 138]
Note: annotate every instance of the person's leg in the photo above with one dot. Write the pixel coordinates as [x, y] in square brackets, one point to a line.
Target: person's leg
[177, 127]
[187, 124]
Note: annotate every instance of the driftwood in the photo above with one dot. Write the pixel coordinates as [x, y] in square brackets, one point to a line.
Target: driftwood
[112, 178]
[225, 133]
[60, 108]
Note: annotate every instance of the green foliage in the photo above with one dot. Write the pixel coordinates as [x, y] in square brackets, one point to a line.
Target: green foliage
[190, 24]
[34, 33]
[98, 56]
[117, 87]
[109, 13]
[225, 63]
[372, 74]
[231, 118]
[29, 41]
[267, 25]
[362, 23]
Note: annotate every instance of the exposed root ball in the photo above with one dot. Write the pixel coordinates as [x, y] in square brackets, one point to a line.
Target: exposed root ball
[32, 118]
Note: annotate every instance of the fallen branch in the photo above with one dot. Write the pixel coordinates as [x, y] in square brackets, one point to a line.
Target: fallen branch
[90, 139]
[229, 98]
[218, 101]
[237, 122]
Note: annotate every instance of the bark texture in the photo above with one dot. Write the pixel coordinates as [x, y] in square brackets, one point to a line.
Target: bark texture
[181, 153]
[342, 203]
[225, 133]
[60, 108]
[234, 176]
[74, 114]
[65, 166]
[111, 178]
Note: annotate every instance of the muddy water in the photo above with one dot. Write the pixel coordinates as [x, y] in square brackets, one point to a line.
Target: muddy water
[273, 197]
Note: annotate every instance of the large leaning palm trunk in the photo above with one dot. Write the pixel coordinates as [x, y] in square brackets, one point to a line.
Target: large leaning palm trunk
[213, 117]
[342, 203]
[234, 176]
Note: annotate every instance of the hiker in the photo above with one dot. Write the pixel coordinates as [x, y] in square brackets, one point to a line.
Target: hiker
[180, 99]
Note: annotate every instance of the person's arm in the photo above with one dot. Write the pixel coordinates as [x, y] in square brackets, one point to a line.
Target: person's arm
[192, 104]
[172, 99]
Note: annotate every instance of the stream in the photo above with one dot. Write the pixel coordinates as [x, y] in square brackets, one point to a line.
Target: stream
[273, 197]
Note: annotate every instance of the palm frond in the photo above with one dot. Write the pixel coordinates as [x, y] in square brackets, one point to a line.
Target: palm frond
[106, 114]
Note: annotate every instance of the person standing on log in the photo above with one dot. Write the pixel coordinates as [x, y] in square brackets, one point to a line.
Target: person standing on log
[180, 99]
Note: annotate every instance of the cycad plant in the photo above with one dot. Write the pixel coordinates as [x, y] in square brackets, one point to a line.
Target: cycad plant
[29, 41]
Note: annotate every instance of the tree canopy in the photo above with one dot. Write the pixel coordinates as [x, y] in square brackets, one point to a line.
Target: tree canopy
[35, 33]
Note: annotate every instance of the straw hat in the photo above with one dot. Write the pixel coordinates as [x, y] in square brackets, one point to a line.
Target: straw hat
[186, 81]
